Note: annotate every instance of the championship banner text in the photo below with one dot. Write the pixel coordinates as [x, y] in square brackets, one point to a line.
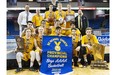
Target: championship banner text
[56, 55]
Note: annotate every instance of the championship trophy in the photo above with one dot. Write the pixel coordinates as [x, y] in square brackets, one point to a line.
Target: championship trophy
[98, 53]
[61, 20]
[20, 43]
[69, 18]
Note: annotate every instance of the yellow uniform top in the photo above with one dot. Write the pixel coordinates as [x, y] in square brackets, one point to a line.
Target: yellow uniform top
[28, 44]
[75, 40]
[70, 13]
[49, 14]
[68, 32]
[59, 15]
[90, 41]
[67, 14]
[53, 30]
[93, 39]
[37, 20]
[38, 41]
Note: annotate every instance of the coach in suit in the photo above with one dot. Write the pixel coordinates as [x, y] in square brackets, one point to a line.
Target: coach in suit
[81, 22]
[23, 18]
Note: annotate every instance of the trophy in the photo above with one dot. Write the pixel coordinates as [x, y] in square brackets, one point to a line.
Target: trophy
[98, 53]
[69, 18]
[61, 20]
[20, 43]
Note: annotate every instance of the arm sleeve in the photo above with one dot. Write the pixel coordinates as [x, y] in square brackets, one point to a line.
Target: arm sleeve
[86, 21]
[19, 18]
[33, 20]
[95, 39]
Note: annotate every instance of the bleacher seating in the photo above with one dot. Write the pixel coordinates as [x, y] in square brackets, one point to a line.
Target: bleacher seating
[11, 27]
[98, 23]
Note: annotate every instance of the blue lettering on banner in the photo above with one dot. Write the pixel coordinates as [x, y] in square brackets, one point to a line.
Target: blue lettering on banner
[56, 55]
[104, 39]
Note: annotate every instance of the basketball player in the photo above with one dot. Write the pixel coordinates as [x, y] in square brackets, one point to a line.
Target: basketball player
[87, 41]
[47, 31]
[37, 18]
[38, 37]
[28, 52]
[30, 26]
[60, 15]
[68, 31]
[57, 31]
[76, 43]
[53, 28]
[70, 14]
[49, 17]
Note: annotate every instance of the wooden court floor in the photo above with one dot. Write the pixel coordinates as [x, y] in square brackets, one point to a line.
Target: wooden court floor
[76, 71]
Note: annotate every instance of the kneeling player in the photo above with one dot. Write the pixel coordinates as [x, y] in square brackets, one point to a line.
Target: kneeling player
[86, 49]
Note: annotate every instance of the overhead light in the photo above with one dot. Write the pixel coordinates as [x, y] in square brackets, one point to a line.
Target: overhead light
[30, 0]
[105, 1]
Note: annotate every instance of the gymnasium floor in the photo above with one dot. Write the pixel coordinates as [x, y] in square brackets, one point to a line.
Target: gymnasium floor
[76, 71]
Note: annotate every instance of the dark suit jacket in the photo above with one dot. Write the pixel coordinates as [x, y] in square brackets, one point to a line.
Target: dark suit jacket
[84, 22]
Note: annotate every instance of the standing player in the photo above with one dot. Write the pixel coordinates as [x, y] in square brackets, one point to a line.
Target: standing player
[54, 3]
[69, 16]
[37, 18]
[60, 15]
[49, 17]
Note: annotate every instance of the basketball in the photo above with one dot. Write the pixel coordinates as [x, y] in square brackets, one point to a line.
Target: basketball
[51, 19]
